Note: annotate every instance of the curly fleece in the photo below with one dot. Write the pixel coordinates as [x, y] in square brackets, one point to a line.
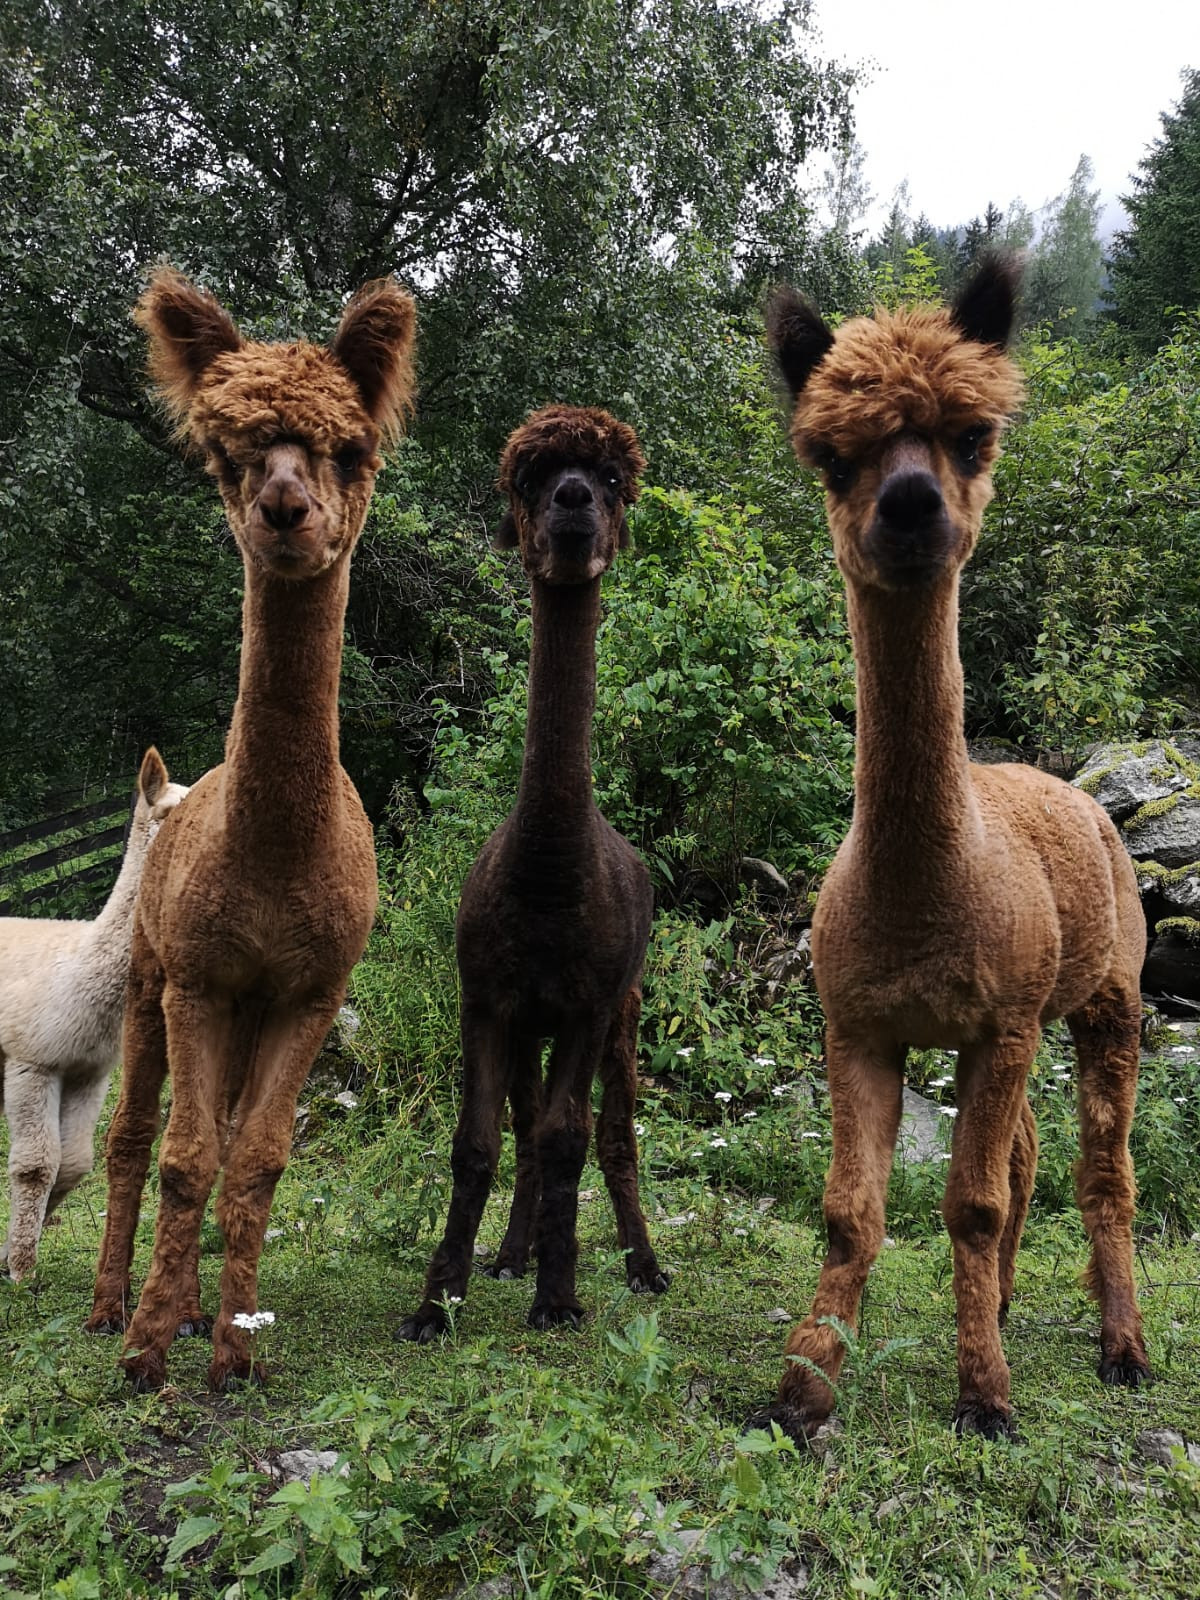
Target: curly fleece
[905, 369]
[585, 434]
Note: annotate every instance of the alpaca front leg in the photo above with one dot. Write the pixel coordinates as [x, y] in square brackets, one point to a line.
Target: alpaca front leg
[562, 1144]
[1022, 1172]
[525, 1097]
[1106, 1034]
[78, 1115]
[198, 1037]
[486, 1077]
[31, 1102]
[976, 1208]
[257, 1153]
[865, 1082]
[131, 1134]
[616, 1147]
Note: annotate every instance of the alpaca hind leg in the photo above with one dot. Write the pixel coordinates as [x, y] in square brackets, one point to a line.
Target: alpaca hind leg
[487, 1072]
[616, 1147]
[31, 1102]
[259, 1146]
[525, 1097]
[978, 1209]
[1022, 1171]
[866, 1078]
[131, 1135]
[78, 1115]
[198, 1039]
[1106, 1033]
[562, 1144]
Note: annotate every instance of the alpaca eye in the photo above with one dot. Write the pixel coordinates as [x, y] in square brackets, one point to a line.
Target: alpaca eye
[967, 445]
[838, 471]
[348, 461]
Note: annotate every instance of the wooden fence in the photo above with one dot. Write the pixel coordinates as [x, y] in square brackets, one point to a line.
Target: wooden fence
[64, 865]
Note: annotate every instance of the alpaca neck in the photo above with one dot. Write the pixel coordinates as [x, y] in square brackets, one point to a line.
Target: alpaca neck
[113, 927]
[914, 809]
[556, 775]
[281, 755]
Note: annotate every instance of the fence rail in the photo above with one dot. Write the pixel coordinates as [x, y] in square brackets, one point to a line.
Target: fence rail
[73, 873]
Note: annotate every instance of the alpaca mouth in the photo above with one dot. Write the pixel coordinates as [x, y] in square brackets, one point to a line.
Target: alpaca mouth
[905, 558]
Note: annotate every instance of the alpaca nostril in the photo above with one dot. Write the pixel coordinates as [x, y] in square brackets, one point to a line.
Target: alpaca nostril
[573, 493]
[908, 500]
[284, 506]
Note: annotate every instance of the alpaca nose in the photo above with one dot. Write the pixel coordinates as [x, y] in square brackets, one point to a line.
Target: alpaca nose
[284, 503]
[909, 500]
[573, 493]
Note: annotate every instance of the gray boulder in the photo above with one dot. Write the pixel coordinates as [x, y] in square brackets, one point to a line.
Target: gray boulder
[1170, 836]
[1124, 777]
[924, 1129]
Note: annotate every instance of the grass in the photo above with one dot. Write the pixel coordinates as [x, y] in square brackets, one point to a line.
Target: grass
[568, 1460]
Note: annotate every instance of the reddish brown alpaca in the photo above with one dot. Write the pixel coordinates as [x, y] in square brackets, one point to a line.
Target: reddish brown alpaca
[555, 913]
[260, 896]
[968, 905]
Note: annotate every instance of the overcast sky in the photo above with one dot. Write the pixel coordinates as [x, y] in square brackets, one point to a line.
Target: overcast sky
[972, 103]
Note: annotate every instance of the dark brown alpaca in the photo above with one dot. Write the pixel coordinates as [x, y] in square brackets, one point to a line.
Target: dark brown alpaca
[968, 905]
[258, 899]
[555, 913]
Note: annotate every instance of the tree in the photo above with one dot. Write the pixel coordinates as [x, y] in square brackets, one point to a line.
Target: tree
[1063, 282]
[1155, 265]
[588, 200]
[847, 193]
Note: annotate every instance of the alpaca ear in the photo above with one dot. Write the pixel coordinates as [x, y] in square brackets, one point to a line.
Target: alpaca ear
[152, 776]
[187, 330]
[798, 335]
[374, 343]
[984, 309]
[506, 536]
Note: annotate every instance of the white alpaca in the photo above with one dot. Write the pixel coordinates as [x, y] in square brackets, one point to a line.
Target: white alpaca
[62, 996]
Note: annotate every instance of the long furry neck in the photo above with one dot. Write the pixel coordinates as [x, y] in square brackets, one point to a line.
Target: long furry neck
[283, 775]
[914, 808]
[556, 775]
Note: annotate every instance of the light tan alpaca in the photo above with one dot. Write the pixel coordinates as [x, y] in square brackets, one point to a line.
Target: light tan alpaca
[62, 993]
[968, 905]
[262, 893]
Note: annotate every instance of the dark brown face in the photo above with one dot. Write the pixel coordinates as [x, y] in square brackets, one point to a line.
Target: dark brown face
[570, 517]
[293, 508]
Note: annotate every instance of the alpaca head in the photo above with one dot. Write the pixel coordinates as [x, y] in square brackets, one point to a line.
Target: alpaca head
[902, 413]
[291, 432]
[569, 472]
[154, 796]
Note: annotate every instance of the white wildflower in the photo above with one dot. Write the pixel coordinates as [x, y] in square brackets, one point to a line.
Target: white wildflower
[779, 1091]
[639, 1128]
[718, 1144]
[948, 1111]
[763, 1061]
[687, 1050]
[723, 1095]
[749, 1116]
[253, 1321]
[810, 1135]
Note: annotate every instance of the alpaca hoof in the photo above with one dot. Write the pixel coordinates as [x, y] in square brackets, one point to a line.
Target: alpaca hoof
[423, 1327]
[986, 1421]
[146, 1371]
[1128, 1370]
[790, 1420]
[103, 1325]
[656, 1282]
[546, 1315]
[502, 1271]
[197, 1327]
[225, 1377]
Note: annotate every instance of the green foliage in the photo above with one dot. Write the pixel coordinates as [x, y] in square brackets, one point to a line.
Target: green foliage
[1062, 280]
[1155, 267]
[1081, 607]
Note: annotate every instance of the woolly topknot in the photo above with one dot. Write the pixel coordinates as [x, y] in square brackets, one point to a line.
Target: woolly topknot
[911, 368]
[217, 385]
[578, 433]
